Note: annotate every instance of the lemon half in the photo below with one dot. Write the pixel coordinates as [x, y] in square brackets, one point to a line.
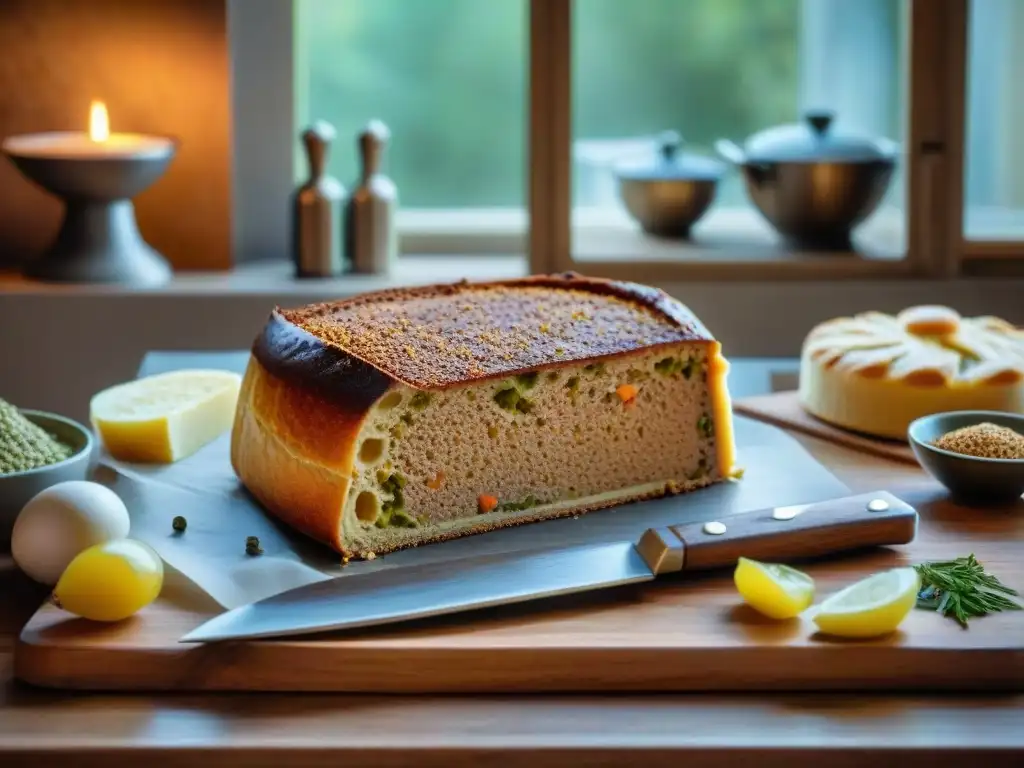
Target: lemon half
[777, 591]
[872, 606]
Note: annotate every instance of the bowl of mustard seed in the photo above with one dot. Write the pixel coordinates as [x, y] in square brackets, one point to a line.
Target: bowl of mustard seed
[977, 455]
[37, 450]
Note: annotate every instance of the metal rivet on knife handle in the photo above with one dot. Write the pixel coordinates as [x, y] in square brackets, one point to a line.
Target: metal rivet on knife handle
[878, 505]
[785, 513]
[714, 528]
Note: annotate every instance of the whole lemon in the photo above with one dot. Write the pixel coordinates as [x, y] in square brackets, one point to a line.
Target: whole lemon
[110, 581]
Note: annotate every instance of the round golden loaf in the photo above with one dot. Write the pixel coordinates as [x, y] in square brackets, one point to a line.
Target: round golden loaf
[875, 373]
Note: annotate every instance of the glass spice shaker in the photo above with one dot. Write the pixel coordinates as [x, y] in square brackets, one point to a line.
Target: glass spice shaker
[316, 210]
[371, 241]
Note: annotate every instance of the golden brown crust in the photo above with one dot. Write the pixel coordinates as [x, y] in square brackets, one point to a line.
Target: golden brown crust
[291, 354]
[438, 336]
[294, 450]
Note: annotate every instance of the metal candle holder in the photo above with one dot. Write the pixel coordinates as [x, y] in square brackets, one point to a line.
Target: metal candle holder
[98, 240]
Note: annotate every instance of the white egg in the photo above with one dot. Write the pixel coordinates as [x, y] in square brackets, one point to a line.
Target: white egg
[61, 521]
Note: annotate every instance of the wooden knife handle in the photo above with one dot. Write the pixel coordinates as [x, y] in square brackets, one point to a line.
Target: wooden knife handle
[781, 533]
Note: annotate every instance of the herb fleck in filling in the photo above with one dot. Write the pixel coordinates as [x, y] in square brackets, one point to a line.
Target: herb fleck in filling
[518, 506]
[667, 366]
[670, 366]
[392, 512]
[700, 471]
[510, 396]
[527, 380]
[507, 398]
[420, 401]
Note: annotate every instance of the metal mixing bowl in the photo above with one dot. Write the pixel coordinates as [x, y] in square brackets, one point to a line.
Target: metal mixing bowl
[813, 182]
[669, 196]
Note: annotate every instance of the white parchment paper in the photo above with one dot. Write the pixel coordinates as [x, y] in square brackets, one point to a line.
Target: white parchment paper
[220, 514]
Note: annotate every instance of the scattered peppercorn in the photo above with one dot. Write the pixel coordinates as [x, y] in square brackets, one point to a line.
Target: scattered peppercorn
[179, 523]
[984, 440]
[252, 546]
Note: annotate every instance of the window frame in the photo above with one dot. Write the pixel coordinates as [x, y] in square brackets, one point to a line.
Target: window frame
[265, 91]
[936, 245]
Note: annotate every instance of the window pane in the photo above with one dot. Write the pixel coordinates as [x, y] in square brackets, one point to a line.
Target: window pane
[726, 69]
[994, 184]
[447, 77]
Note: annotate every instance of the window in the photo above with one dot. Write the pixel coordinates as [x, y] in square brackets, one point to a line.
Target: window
[448, 78]
[725, 69]
[994, 184]
[509, 118]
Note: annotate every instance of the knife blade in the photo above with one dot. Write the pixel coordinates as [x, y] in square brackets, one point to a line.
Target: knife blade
[439, 588]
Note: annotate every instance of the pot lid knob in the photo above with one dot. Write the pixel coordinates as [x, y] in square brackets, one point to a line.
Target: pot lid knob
[817, 137]
[670, 163]
[668, 145]
[820, 121]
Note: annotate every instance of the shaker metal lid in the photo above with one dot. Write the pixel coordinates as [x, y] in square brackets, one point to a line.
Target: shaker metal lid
[816, 139]
[672, 165]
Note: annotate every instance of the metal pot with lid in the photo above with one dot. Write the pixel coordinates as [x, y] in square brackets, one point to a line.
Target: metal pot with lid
[812, 180]
[668, 196]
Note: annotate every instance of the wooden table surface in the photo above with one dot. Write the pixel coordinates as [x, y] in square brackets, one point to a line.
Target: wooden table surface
[53, 728]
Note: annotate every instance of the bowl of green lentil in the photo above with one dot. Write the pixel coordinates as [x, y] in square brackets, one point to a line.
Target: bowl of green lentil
[37, 450]
[977, 455]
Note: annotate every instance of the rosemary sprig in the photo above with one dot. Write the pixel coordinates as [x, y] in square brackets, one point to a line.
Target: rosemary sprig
[960, 588]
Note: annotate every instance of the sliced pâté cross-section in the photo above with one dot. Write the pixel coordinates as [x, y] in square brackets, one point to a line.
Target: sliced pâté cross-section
[404, 417]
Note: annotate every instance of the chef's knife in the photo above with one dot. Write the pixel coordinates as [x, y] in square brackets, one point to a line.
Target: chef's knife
[437, 588]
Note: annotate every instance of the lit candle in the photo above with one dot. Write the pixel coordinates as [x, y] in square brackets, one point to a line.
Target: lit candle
[98, 144]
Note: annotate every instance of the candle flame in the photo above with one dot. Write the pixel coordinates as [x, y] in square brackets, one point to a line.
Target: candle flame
[99, 122]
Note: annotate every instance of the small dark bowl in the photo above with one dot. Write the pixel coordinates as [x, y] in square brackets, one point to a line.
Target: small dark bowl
[970, 479]
[667, 208]
[18, 488]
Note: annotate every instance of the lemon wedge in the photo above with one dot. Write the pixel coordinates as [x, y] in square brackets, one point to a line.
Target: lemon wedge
[165, 417]
[870, 607]
[777, 591]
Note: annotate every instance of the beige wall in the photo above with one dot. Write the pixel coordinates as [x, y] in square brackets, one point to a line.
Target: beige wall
[161, 66]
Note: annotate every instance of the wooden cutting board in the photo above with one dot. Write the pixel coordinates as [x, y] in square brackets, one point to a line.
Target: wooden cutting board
[783, 409]
[676, 634]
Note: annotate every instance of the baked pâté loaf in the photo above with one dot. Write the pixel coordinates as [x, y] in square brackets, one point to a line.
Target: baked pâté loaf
[876, 373]
[410, 416]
